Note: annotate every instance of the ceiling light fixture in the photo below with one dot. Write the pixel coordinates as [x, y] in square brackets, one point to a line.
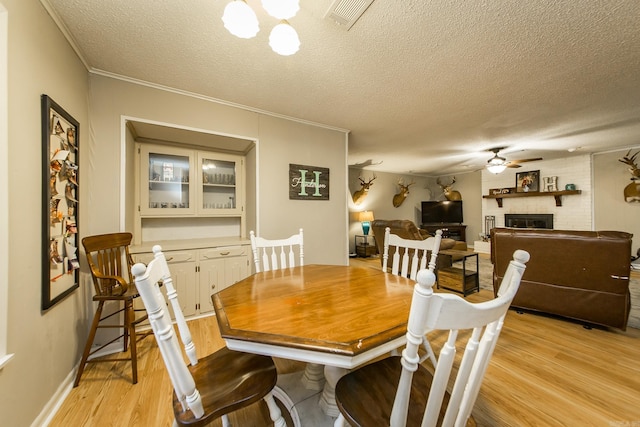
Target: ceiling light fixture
[284, 39]
[281, 9]
[496, 168]
[497, 164]
[241, 21]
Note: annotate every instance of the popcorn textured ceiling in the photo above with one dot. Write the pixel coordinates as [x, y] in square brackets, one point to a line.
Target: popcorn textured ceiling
[425, 86]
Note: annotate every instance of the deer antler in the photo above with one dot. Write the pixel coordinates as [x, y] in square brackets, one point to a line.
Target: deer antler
[445, 185]
[631, 161]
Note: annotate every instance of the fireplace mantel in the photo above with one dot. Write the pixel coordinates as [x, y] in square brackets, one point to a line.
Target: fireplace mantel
[556, 194]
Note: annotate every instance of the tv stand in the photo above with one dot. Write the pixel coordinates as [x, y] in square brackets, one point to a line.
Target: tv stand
[450, 231]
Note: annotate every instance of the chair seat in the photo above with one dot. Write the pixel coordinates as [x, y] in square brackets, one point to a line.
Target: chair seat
[245, 379]
[367, 394]
[129, 294]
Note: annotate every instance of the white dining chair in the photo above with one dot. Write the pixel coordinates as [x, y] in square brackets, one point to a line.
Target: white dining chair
[278, 253]
[210, 387]
[398, 391]
[410, 256]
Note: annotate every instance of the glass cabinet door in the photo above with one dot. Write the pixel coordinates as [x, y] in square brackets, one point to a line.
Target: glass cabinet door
[221, 181]
[165, 187]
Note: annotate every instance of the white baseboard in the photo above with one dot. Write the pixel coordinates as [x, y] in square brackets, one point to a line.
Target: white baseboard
[56, 401]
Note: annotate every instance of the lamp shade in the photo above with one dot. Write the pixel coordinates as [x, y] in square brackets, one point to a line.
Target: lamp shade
[240, 19]
[284, 39]
[281, 9]
[366, 216]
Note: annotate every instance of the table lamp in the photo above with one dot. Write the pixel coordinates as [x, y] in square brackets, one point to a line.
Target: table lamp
[365, 218]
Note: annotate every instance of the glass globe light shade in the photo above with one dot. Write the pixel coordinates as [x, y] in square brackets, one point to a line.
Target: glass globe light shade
[284, 39]
[496, 168]
[281, 9]
[240, 19]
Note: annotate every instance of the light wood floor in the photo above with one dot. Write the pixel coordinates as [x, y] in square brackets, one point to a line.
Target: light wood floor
[544, 372]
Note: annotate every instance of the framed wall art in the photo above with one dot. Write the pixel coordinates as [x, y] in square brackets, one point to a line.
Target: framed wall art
[527, 181]
[308, 182]
[60, 167]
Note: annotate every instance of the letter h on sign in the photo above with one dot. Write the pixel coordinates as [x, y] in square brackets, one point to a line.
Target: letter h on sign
[308, 182]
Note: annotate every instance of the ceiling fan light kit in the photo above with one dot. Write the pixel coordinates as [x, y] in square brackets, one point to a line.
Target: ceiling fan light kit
[496, 169]
[241, 21]
[498, 164]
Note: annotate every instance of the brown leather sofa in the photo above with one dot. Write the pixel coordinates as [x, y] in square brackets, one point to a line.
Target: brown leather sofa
[407, 230]
[582, 275]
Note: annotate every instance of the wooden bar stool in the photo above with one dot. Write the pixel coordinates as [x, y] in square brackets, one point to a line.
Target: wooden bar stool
[110, 263]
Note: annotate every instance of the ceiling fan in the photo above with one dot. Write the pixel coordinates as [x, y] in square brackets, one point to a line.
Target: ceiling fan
[497, 164]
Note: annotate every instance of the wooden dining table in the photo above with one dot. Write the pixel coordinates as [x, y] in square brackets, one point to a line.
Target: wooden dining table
[333, 317]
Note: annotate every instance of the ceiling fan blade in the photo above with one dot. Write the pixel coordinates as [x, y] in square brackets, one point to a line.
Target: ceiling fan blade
[525, 160]
[513, 165]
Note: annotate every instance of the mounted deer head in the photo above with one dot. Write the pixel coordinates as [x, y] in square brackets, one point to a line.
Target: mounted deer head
[448, 192]
[398, 199]
[359, 195]
[631, 161]
[632, 191]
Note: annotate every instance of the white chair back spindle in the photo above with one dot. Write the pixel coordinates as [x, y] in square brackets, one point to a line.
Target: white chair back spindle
[146, 280]
[400, 265]
[248, 377]
[277, 254]
[474, 326]
[431, 311]
[414, 254]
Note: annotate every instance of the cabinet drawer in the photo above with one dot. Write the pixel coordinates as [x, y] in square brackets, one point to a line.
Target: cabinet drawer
[171, 256]
[223, 252]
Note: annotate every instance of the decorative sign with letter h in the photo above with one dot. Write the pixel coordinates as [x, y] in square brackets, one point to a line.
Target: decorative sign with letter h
[308, 182]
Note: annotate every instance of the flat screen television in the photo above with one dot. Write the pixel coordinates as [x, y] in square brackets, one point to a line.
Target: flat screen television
[443, 212]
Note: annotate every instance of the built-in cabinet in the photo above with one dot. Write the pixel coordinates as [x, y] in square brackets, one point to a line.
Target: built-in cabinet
[181, 182]
[192, 203]
[199, 273]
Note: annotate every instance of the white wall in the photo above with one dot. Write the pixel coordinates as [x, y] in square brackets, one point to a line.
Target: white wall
[280, 142]
[46, 345]
[576, 212]
[611, 211]
[379, 200]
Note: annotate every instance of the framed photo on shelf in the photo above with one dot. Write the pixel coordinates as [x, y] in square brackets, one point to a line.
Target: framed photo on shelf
[60, 167]
[527, 181]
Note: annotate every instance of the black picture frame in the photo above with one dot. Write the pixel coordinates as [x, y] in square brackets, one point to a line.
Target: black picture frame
[60, 202]
[527, 181]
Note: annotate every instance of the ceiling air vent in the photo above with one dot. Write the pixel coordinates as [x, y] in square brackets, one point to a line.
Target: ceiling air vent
[345, 13]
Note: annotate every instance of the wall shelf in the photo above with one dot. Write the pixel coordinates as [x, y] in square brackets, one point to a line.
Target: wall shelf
[556, 194]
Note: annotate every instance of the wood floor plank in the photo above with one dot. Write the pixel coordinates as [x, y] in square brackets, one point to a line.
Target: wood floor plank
[545, 372]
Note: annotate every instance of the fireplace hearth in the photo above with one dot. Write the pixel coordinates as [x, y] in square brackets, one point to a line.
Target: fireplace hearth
[529, 221]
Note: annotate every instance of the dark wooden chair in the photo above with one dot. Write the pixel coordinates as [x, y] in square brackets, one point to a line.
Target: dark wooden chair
[398, 391]
[210, 387]
[110, 262]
